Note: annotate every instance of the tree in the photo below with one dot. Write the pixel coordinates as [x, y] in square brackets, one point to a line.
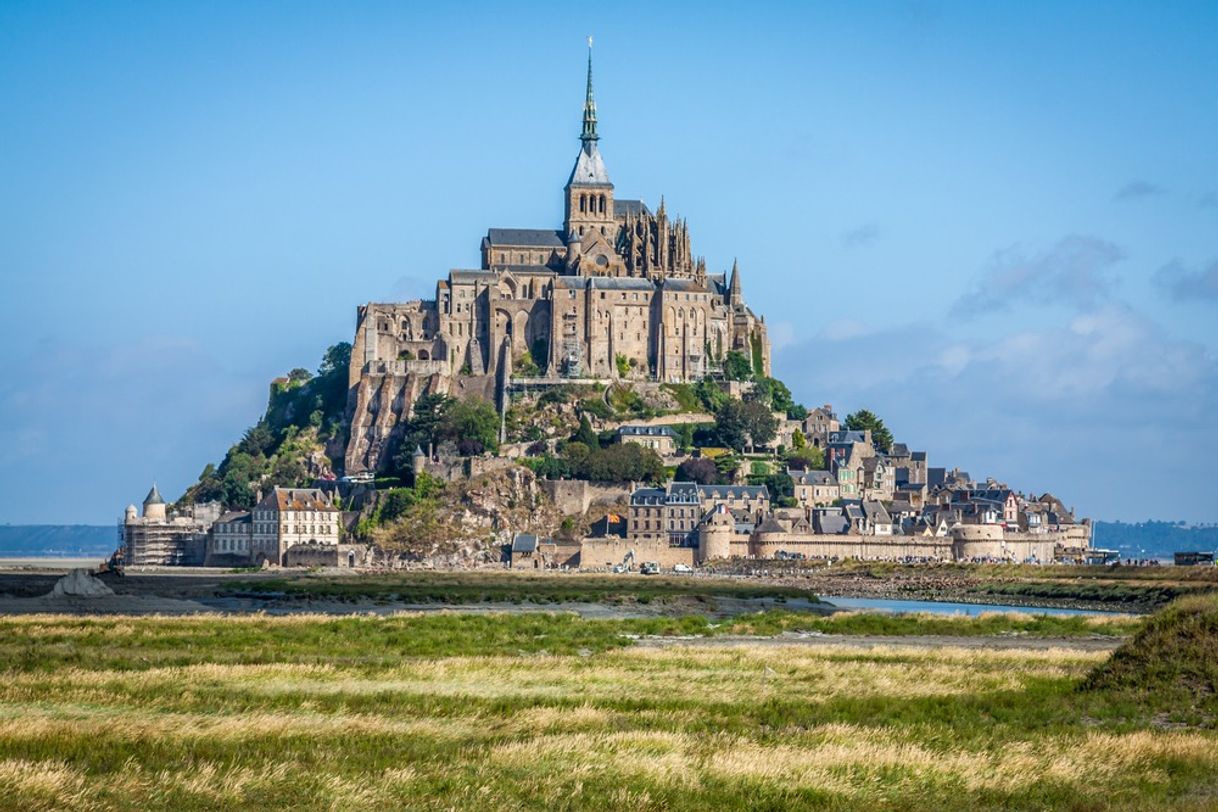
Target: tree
[585, 434]
[864, 420]
[709, 394]
[685, 436]
[806, 458]
[731, 430]
[472, 423]
[781, 398]
[623, 365]
[258, 441]
[421, 429]
[759, 423]
[700, 470]
[736, 366]
[798, 440]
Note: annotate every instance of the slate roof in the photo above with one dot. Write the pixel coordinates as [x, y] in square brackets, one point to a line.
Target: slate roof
[297, 499]
[529, 269]
[682, 285]
[620, 283]
[771, 525]
[154, 497]
[830, 522]
[524, 543]
[589, 169]
[530, 237]
[875, 513]
[734, 491]
[647, 496]
[234, 516]
[918, 456]
[683, 492]
[900, 506]
[812, 477]
[646, 431]
[623, 207]
[845, 436]
[457, 275]
[603, 283]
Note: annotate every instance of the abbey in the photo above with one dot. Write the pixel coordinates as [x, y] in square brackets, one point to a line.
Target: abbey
[615, 292]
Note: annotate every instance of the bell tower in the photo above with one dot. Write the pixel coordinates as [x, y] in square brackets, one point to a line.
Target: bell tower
[589, 203]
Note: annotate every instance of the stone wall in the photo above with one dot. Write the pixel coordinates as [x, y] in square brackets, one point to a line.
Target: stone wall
[325, 555]
[603, 553]
[768, 545]
[574, 496]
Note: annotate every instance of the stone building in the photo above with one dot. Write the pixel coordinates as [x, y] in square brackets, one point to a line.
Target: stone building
[614, 291]
[231, 540]
[672, 514]
[159, 537]
[661, 439]
[290, 518]
[814, 488]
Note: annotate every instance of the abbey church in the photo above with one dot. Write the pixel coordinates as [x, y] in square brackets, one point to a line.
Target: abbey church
[615, 292]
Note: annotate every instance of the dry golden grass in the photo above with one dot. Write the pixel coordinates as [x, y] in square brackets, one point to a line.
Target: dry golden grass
[684, 727]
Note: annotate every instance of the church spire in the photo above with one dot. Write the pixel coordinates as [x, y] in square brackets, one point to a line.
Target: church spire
[589, 136]
[735, 296]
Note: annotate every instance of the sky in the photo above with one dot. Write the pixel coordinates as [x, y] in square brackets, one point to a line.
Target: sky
[993, 224]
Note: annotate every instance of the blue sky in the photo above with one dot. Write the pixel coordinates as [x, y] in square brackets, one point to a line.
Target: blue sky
[996, 225]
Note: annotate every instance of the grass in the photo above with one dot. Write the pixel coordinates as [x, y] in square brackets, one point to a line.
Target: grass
[510, 587]
[548, 711]
[886, 624]
[1174, 654]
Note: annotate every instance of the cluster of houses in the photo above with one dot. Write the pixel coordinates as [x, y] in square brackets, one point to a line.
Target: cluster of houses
[286, 527]
[866, 503]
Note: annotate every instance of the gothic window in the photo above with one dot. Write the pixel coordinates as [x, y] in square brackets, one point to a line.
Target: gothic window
[602, 204]
[583, 203]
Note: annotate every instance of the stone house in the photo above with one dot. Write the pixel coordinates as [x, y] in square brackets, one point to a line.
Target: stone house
[287, 517]
[814, 488]
[660, 438]
[819, 424]
[231, 539]
[673, 512]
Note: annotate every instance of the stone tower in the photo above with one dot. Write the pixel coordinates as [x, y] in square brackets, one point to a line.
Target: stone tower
[589, 193]
[154, 505]
[715, 535]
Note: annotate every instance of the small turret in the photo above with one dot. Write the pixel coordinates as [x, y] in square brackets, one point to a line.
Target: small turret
[154, 505]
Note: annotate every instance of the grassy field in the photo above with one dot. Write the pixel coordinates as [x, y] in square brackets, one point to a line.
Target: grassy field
[448, 711]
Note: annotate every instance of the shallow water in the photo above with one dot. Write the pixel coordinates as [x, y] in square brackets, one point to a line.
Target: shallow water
[949, 608]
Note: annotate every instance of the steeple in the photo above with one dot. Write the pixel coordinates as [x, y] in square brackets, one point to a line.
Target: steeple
[734, 294]
[589, 191]
[589, 136]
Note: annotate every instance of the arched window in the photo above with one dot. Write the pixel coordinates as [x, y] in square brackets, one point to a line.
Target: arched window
[602, 204]
[583, 203]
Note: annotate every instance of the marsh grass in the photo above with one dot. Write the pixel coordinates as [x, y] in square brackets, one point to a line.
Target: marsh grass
[509, 711]
[515, 587]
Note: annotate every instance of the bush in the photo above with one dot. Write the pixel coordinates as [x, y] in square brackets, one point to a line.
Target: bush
[700, 470]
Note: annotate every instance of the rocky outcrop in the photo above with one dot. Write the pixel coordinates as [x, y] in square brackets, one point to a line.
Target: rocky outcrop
[477, 517]
[378, 408]
[80, 583]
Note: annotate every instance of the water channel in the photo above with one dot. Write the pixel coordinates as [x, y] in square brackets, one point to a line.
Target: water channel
[949, 608]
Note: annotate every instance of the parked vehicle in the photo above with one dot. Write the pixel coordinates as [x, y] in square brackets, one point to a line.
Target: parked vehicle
[650, 568]
[682, 568]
